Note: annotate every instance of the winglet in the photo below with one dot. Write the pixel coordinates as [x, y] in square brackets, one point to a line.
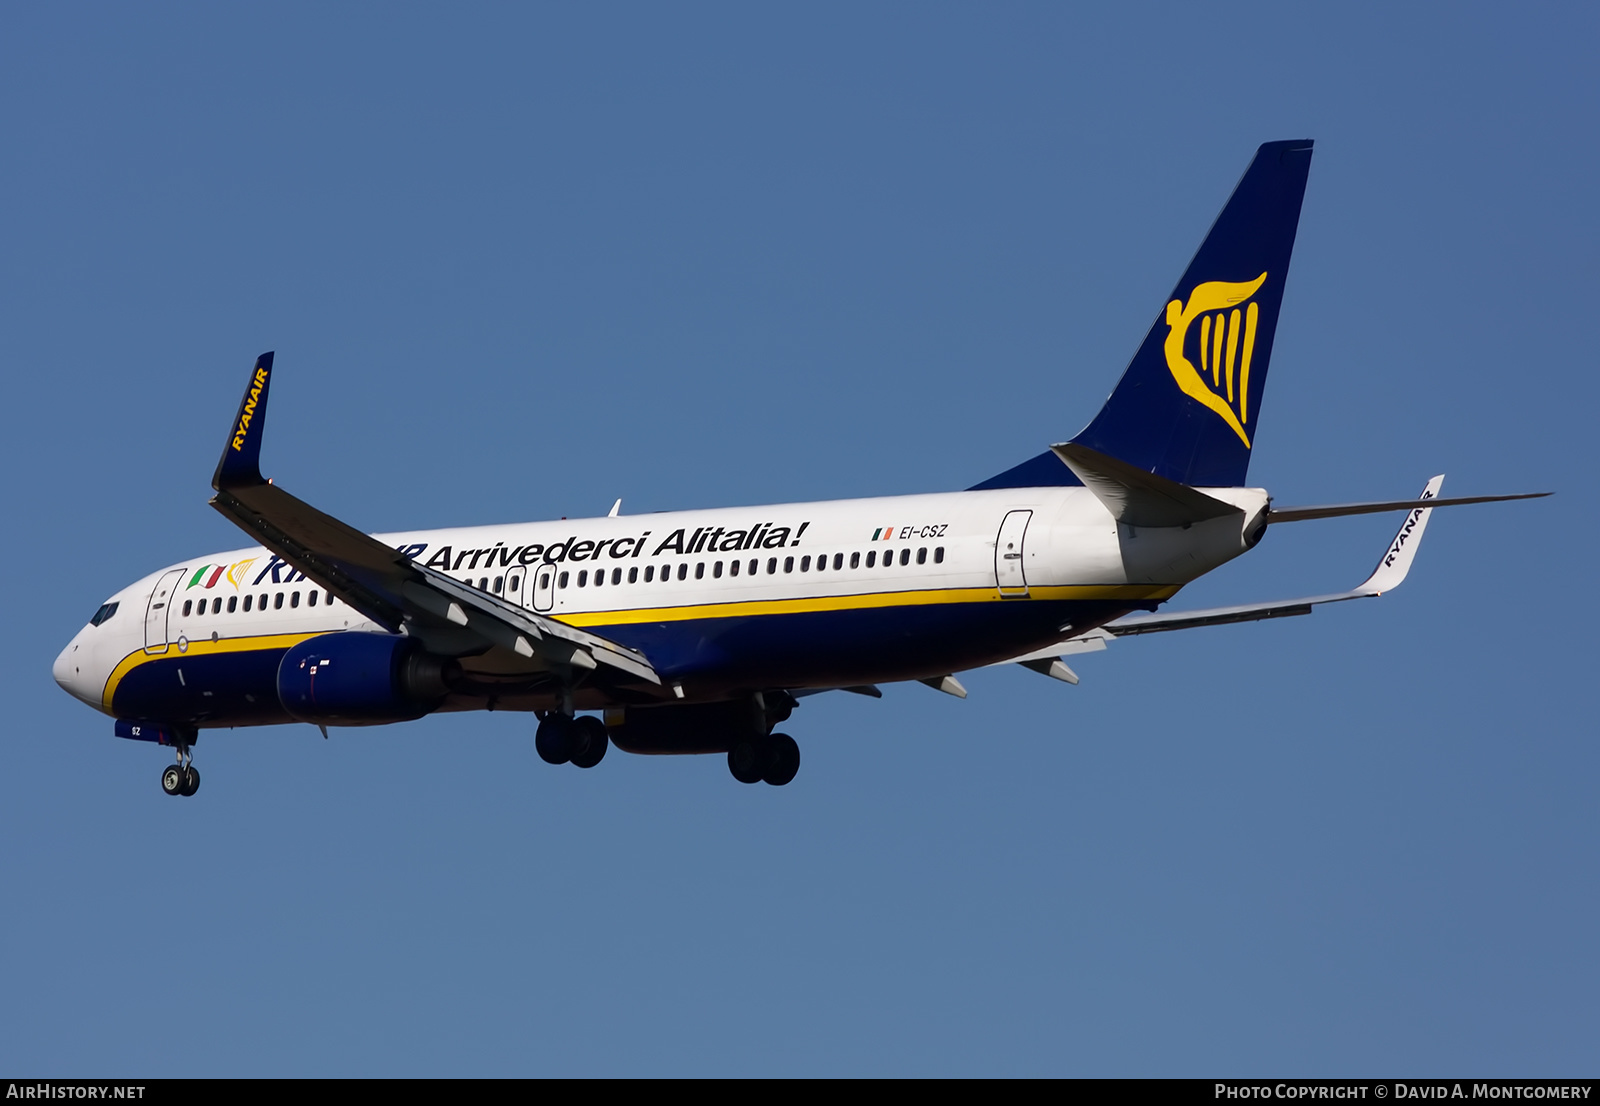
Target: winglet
[1396, 562]
[241, 457]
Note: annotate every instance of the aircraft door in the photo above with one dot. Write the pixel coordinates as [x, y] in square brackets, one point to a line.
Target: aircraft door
[542, 585]
[159, 610]
[1008, 572]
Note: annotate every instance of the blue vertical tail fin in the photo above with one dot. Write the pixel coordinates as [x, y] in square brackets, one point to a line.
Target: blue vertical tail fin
[1188, 404]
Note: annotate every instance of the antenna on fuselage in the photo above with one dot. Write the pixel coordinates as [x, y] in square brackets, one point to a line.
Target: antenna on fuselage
[616, 509]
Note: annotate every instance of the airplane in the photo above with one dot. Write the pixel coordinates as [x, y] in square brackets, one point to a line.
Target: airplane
[701, 631]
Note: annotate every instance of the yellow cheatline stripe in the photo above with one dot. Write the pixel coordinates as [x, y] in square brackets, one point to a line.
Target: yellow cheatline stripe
[1136, 592]
[200, 648]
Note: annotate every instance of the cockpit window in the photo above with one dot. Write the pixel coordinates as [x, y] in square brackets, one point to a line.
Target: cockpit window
[105, 612]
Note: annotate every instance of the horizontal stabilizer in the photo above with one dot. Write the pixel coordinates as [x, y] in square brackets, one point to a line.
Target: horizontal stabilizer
[1341, 510]
[1137, 497]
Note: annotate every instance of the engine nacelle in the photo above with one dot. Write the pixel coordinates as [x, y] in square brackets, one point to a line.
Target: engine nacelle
[352, 678]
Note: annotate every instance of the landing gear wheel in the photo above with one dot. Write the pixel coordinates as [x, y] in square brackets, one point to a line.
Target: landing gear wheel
[554, 739]
[191, 780]
[589, 741]
[785, 759]
[748, 759]
[174, 779]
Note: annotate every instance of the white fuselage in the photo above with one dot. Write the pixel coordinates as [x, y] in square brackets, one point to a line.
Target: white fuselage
[805, 594]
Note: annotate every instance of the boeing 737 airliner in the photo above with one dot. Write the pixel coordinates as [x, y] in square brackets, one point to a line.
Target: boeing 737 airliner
[700, 631]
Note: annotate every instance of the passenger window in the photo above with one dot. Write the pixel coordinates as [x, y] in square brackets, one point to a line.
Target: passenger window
[922, 555]
[905, 556]
[649, 573]
[733, 568]
[188, 604]
[583, 577]
[700, 571]
[327, 597]
[564, 577]
[261, 602]
[599, 577]
[754, 565]
[233, 602]
[247, 603]
[683, 570]
[513, 584]
[772, 566]
[716, 571]
[499, 582]
[616, 575]
[855, 559]
[483, 583]
[311, 600]
[805, 564]
[872, 558]
[788, 564]
[294, 599]
[938, 555]
[838, 561]
[633, 575]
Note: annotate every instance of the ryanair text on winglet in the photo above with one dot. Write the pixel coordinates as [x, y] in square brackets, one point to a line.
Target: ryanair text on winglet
[249, 409]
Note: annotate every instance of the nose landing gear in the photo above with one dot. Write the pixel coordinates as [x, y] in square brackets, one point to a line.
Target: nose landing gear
[182, 778]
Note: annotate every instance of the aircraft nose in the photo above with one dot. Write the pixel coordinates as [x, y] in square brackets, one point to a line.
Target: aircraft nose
[68, 669]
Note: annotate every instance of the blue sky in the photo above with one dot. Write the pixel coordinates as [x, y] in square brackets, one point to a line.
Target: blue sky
[519, 261]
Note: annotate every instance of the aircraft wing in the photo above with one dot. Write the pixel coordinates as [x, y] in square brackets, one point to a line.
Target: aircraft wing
[382, 583]
[1391, 570]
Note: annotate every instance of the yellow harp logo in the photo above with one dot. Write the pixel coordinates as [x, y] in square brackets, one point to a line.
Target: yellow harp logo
[1222, 334]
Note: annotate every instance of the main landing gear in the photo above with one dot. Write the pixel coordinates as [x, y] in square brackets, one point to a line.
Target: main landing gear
[581, 741]
[181, 778]
[773, 759]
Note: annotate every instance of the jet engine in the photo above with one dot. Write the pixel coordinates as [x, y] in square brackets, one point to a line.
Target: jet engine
[353, 678]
